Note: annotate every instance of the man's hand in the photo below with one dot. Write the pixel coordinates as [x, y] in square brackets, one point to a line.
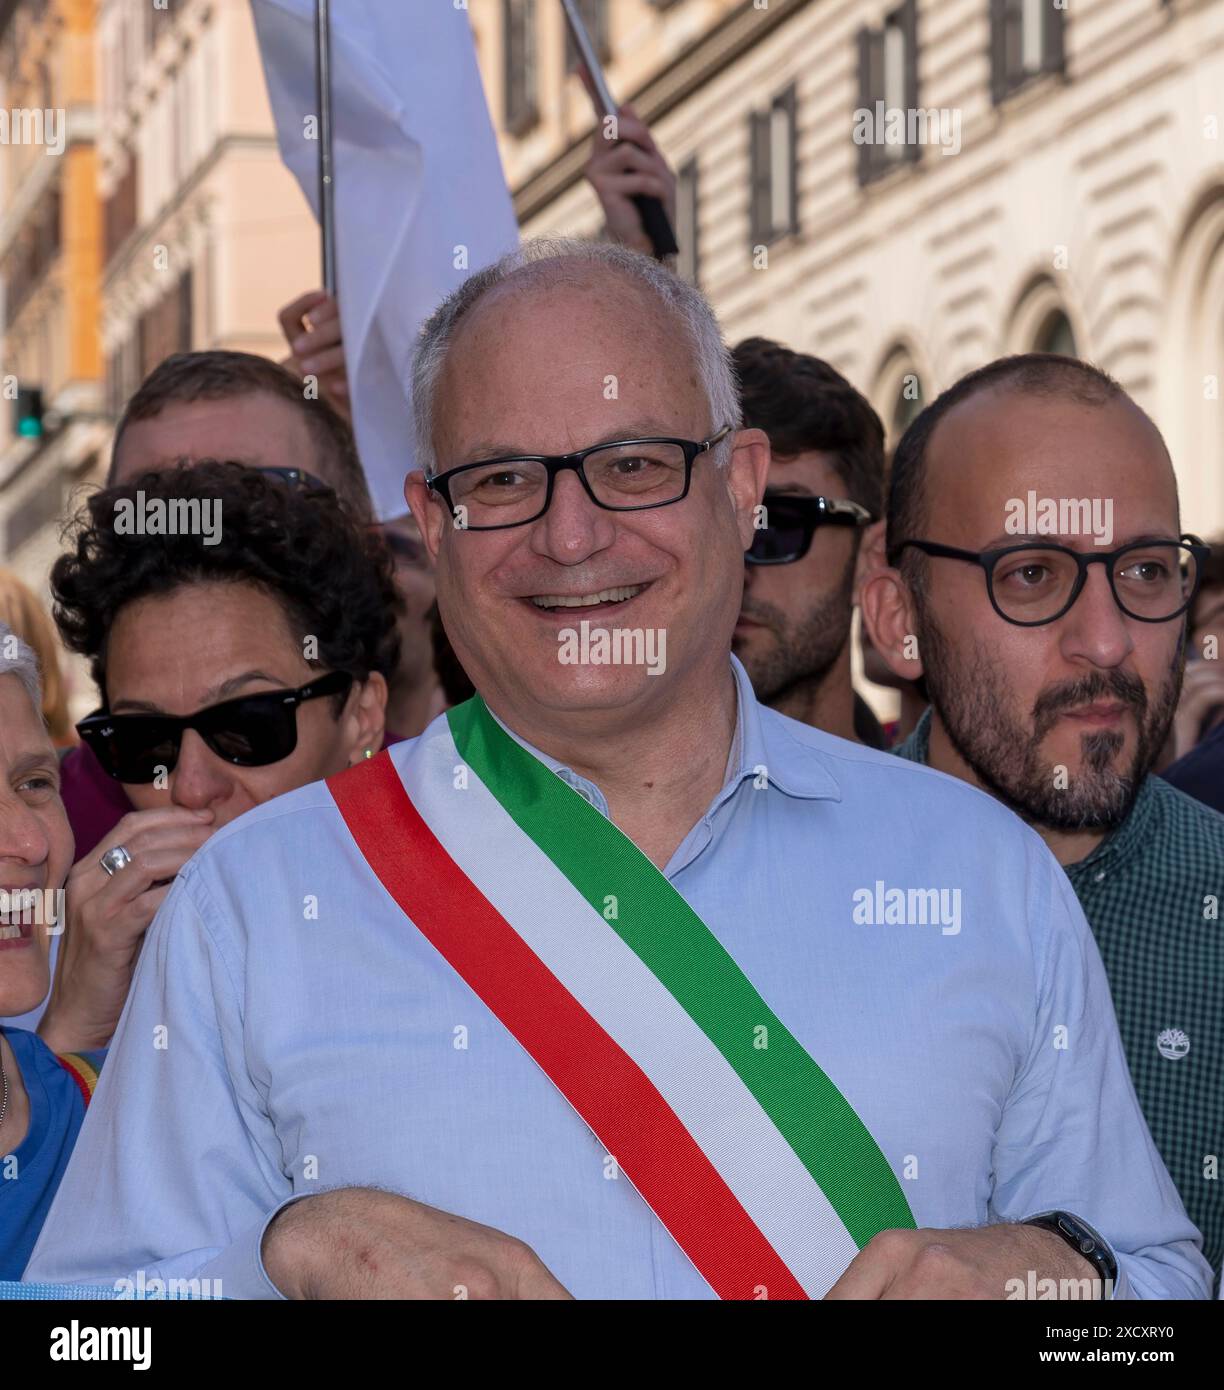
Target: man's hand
[108, 915]
[311, 325]
[974, 1264]
[617, 169]
[356, 1242]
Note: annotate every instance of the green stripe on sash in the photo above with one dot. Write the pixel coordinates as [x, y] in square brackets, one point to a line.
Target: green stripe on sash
[674, 943]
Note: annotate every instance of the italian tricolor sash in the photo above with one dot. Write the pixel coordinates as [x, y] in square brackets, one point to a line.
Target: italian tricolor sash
[740, 1144]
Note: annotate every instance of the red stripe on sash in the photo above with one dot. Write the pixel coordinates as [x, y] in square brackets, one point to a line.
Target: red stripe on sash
[599, 1079]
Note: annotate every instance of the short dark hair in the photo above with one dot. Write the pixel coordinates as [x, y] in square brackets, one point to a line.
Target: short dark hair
[330, 573]
[803, 404]
[220, 375]
[1030, 374]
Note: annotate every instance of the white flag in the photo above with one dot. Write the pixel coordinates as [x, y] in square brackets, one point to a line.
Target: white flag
[421, 199]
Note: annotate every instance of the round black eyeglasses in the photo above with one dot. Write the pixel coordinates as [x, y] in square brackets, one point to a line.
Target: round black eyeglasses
[1153, 581]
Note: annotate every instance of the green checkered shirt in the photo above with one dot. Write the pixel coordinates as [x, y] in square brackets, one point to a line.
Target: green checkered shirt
[1147, 890]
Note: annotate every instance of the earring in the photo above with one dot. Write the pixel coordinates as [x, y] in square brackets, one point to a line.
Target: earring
[369, 752]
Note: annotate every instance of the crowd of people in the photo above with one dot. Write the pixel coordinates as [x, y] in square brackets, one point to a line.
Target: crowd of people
[375, 910]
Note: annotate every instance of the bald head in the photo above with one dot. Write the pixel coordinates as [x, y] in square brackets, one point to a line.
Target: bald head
[1012, 394]
[626, 287]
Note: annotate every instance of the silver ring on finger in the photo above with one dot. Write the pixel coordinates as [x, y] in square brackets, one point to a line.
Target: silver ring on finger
[114, 859]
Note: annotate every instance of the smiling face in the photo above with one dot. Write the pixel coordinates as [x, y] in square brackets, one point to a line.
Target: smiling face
[795, 619]
[1092, 692]
[240, 643]
[542, 366]
[35, 845]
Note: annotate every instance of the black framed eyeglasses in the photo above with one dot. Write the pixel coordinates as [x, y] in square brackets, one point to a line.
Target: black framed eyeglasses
[1153, 581]
[251, 731]
[626, 475]
[791, 520]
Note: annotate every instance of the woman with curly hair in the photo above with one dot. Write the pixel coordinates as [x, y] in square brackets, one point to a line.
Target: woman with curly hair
[235, 661]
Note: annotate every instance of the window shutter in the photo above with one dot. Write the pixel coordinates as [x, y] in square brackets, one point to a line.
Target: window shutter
[758, 147]
[1053, 39]
[688, 263]
[789, 101]
[998, 50]
[909, 27]
[870, 90]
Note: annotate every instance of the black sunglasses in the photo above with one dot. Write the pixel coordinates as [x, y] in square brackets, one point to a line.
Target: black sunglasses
[251, 731]
[791, 521]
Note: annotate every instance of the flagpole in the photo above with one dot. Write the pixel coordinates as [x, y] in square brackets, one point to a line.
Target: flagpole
[327, 186]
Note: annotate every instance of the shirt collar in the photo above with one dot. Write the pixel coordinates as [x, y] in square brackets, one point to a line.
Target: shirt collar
[762, 745]
[1121, 842]
[1127, 839]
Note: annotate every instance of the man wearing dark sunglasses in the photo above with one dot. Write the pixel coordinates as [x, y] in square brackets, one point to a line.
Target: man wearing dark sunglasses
[826, 478]
[1053, 662]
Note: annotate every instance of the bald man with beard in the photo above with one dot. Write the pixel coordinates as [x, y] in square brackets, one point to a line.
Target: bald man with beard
[1054, 661]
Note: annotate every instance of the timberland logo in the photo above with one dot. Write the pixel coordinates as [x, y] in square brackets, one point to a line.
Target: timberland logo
[34, 126]
[1173, 1044]
[617, 646]
[175, 516]
[912, 125]
[1060, 516]
[908, 907]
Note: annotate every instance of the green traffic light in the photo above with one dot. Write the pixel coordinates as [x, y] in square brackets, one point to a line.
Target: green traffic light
[30, 427]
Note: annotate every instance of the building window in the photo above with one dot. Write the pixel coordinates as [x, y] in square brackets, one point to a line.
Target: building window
[888, 83]
[688, 261]
[185, 311]
[773, 141]
[908, 405]
[163, 19]
[1026, 40]
[595, 16]
[519, 51]
[1057, 335]
[119, 214]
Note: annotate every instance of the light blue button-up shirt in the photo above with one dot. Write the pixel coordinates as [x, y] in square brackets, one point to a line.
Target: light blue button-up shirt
[289, 1030]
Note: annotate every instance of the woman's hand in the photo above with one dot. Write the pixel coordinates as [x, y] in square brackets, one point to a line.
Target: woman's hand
[107, 916]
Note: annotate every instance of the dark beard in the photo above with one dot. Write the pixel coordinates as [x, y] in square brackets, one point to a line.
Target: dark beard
[972, 701]
[806, 652]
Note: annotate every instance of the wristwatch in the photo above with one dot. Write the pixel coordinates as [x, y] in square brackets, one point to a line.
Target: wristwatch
[1084, 1240]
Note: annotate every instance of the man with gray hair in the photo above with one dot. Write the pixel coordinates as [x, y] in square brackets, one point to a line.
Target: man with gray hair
[639, 989]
